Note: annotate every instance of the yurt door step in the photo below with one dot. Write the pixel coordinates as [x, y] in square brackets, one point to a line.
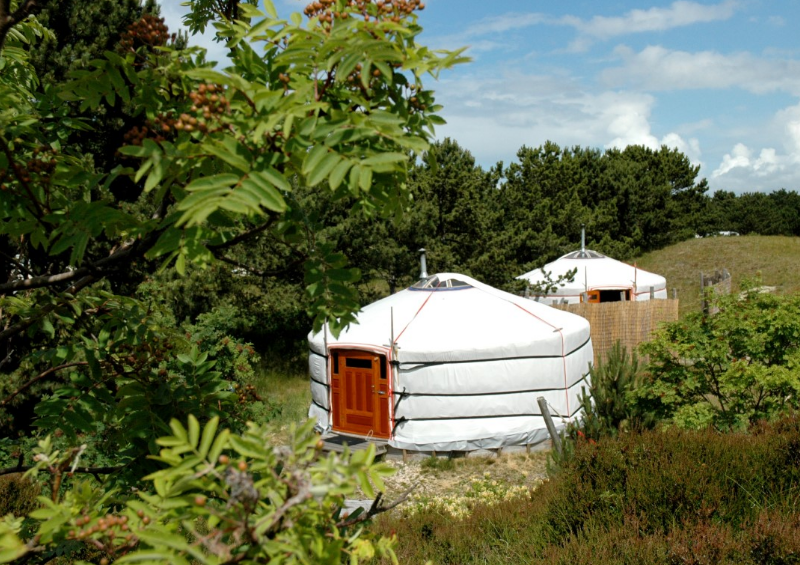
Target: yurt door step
[360, 393]
[336, 443]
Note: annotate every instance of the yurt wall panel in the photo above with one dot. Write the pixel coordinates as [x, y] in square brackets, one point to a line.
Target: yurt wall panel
[471, 378]
[487, 433]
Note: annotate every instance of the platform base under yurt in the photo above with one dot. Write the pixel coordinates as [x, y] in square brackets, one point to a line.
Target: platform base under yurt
[333, 442]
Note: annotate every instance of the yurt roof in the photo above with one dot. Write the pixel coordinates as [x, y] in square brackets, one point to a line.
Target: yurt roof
[596, 271]
[451, 317]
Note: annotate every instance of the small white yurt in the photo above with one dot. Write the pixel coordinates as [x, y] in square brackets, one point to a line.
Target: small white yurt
[450, 364]
[597, 279]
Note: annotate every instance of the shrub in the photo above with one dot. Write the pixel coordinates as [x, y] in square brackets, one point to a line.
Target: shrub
[609, 407]
[729, 369]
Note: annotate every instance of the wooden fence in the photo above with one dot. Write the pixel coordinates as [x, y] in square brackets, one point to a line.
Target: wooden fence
[719, 283]
[630, 323]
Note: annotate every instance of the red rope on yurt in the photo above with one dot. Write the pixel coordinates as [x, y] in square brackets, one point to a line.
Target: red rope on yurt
[560, 332]
[414, 318]
[563, 356]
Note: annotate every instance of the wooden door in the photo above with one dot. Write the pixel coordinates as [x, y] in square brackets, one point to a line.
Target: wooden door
[593, 296]
[360, 391]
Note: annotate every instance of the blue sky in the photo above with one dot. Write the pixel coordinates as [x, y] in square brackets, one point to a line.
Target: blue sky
[720, 81]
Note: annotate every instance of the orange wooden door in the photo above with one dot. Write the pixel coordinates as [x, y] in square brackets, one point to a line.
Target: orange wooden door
[593, 296]
[360, 393]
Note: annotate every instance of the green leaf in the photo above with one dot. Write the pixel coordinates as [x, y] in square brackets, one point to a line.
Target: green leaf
[365, 179]
[47, 327]
[180, 264]
[208, 436]
[384, 162]
[260, 186]
[153, 556]
[219, 445]
[355, 175]
[338, 173]
[232, 152]
[276, 178]
[323, 169]
[194, 431]
[223, 180]
[313, 158]
[269, 8]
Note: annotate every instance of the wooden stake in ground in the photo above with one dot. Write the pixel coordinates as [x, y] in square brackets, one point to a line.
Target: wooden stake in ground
[551, 427]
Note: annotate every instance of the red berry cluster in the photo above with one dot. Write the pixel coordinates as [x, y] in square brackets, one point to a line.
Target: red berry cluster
[43, 161]
[246, 393]
[148, 30]
[386, 10]
[209, 100]
[136, 135]
[209, 104]
[414, 101]
[42, 164]
[114, 531]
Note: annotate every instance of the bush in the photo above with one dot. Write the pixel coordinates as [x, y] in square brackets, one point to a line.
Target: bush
[729, 369]
[18, 495]
[651, 497]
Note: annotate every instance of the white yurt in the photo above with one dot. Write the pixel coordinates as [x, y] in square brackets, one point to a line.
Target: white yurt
[597, 279]
[450, 364]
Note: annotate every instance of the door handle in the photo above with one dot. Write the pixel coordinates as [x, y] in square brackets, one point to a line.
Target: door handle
[381, 392]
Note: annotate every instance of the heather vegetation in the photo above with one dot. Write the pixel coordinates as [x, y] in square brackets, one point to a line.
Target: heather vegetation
[171, 230]
[655, 497]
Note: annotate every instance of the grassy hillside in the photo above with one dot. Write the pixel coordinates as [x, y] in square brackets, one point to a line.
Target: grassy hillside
[776, 258]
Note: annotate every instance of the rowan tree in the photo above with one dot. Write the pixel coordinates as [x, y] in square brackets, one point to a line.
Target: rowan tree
[332, 102]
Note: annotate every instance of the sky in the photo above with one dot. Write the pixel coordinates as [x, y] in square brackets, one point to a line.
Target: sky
[719, 81]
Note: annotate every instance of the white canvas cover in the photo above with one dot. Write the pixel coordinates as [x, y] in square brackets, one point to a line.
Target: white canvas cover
[468, 364]
[595, 271]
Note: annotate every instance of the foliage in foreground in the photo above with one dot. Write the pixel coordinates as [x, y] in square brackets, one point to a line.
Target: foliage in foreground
[219, 498]
[653, 497]
[209, 160]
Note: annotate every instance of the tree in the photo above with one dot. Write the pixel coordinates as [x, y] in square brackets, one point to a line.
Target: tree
[335, 104]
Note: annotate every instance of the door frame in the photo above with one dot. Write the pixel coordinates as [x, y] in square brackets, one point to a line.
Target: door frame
[595, 292]
[386, 352]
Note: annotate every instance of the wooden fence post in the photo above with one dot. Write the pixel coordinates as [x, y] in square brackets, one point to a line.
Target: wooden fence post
[551, 427]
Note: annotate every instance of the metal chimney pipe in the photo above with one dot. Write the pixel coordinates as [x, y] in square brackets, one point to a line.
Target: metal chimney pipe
[583, 240]
[423, 273]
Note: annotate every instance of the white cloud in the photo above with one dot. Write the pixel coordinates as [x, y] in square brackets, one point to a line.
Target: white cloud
[493, 118]
[678, 14]
[777, 21]
[658, 68]
[742, 171]
[740, 156]
[506, 22]
[789, 118]
[630, 124]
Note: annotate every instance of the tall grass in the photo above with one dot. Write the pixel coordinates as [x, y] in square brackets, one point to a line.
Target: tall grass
[774, 257]
[286, 392]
